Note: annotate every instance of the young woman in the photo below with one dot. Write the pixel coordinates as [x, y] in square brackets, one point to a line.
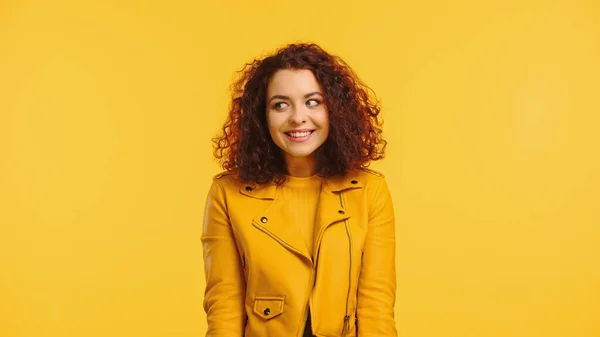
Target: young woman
[298, 235]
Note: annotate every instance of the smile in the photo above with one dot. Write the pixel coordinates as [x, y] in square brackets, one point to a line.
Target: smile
[299, 136]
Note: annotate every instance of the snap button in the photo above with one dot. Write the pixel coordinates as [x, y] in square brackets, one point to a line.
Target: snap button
[264, 219]
[341, 211]
[248, 188]
[354, 182]
[269, 307]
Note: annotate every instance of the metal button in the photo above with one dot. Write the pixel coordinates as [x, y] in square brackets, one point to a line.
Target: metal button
[264, 219]
[341, 211]
[354, 182]
[248, 188]
[267, 311]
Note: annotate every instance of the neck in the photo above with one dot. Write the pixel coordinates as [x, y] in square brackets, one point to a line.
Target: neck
[301, 166]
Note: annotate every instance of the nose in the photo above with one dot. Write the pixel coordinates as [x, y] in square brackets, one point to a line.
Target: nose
[298, 115]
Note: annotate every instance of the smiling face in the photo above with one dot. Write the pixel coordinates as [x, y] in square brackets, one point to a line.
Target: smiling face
[296, 115]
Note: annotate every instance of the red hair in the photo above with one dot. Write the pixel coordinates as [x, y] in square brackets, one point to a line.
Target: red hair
[245, 145]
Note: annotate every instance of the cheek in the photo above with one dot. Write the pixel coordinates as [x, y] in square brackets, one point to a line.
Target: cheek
[326, 133]
[274, 122]
[324, 120]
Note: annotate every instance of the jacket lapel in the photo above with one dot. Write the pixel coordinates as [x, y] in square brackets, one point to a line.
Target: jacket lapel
[274, 221]
[331, 208]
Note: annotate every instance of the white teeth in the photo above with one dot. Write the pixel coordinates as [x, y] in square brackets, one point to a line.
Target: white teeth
[299, 134]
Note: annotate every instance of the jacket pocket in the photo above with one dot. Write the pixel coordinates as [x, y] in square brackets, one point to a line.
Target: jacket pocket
[268, 307]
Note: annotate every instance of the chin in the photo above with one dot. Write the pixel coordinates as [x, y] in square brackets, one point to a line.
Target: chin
[301, 154]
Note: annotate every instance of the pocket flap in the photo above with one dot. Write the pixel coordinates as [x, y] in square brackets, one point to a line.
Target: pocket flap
[268, 307]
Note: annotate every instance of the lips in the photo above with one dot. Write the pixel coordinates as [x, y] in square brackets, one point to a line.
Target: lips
[299, 134]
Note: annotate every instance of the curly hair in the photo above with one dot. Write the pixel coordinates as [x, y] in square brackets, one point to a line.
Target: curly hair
[245, 146]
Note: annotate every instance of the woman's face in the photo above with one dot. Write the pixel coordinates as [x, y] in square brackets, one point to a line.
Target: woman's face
[296, 113]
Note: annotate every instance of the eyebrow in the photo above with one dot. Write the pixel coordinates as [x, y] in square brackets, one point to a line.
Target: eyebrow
[287, 98]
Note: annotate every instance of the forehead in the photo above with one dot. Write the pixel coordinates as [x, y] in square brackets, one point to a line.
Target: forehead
[292, 82]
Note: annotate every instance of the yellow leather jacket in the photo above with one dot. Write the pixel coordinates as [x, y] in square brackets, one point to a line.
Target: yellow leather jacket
[261, 280]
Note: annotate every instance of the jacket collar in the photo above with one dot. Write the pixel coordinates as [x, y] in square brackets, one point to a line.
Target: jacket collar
[336, 184]
[348, 181]
[259, 191]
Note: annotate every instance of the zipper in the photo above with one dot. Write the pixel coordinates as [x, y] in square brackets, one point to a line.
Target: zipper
[305, 314]
[347, 316]
[346, 328]
[245, 268]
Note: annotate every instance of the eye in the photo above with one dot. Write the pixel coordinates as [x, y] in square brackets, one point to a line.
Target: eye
[280, 105]
[313, 103]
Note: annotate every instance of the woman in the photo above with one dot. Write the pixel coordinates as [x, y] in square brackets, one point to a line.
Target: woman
[298, 236]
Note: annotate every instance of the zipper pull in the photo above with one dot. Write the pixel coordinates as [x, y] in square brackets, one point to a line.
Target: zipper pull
[346, 323]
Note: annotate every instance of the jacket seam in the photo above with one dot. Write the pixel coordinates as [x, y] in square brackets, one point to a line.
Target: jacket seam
[374, 198]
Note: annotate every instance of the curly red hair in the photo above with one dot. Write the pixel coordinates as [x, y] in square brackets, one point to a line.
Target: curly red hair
[245, 145]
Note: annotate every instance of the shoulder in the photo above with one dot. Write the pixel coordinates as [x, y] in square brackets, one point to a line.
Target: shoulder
[367, 179]
[372, 172]
[369, 176]
[222, 174]
[226, 179]
[374, 182]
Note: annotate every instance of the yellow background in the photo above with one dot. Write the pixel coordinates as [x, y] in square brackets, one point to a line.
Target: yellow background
[491, 109]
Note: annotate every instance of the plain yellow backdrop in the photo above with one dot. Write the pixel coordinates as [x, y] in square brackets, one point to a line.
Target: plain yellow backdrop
[491, 109]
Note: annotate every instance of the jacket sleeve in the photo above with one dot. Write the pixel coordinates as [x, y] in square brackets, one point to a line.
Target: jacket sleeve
[377, 281]
[225, 284]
